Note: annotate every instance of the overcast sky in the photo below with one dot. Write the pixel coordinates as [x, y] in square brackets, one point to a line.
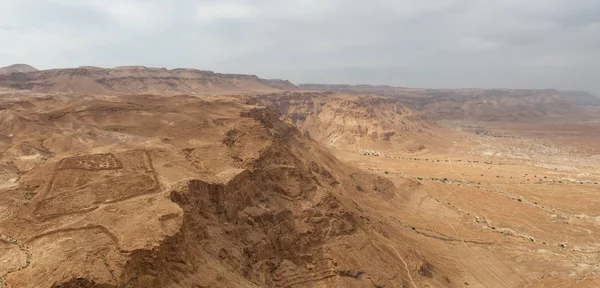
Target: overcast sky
[416, 43]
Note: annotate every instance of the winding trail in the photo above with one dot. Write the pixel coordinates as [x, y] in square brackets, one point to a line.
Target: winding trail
[398, 255]
[405, 265]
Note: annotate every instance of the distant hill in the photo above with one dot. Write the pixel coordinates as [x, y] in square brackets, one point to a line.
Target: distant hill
[21, 68]
[581, 97]
[477, 104]
[576, 97]
[140, 80]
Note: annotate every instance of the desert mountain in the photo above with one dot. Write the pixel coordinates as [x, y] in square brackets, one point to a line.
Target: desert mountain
[139, 80]
[478, 104]
[149, 191]
[17, 68]
[123, 178]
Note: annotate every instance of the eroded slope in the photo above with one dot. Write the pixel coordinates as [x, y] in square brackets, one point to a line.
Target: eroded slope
[146, 191]
[366, 124]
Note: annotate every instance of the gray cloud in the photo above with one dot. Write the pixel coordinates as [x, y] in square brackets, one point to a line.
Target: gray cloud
[427, 43]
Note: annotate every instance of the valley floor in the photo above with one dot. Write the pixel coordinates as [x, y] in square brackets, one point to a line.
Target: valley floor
[511, 207]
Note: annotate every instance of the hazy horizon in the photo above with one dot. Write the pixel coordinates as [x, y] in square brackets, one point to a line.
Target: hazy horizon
[423, 44]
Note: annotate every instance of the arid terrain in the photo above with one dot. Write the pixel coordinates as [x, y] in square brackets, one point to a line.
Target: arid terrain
[148, 177]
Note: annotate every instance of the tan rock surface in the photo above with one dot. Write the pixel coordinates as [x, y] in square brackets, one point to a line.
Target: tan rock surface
[287, 189]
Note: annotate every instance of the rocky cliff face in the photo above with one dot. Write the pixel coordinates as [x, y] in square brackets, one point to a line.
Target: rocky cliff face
[353, 122]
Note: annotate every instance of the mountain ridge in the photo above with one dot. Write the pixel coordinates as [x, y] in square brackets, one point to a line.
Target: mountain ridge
[578, 96]
[17, 68]
[139, 80]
